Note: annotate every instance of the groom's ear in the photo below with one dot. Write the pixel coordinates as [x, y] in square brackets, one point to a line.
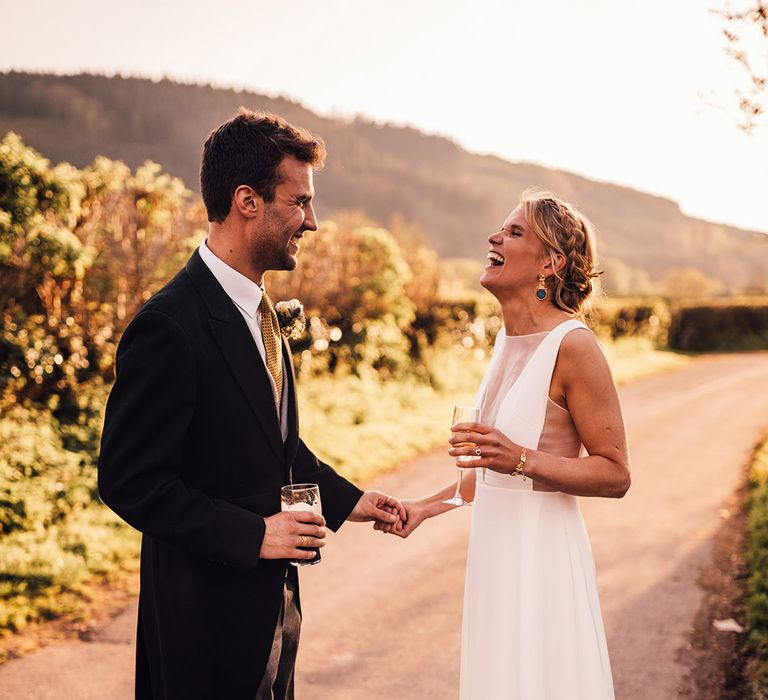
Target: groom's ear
[247, 201]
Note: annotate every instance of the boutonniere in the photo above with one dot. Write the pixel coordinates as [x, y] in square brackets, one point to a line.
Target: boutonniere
[290, 318]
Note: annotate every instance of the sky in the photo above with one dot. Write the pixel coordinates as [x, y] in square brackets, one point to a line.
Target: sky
[635, 92]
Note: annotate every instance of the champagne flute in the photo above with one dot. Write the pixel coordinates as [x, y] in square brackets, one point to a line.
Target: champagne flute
[302, 497]
[463, 414]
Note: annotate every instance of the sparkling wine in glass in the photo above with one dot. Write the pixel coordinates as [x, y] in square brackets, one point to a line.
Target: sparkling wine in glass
[463, 414]
[302, 497]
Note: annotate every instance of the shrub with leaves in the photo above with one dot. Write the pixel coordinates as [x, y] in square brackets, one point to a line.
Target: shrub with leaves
[613, 319]
[55, 532]
[80, 251]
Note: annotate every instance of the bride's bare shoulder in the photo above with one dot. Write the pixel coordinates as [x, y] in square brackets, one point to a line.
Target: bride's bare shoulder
[580, 354]
[581, 340]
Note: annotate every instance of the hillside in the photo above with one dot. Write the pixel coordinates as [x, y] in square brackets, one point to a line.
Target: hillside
[458, 197]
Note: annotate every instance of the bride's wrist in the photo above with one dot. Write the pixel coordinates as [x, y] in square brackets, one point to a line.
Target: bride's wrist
[433, 505]
[526, 463]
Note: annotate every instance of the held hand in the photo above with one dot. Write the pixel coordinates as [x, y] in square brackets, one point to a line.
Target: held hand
[374, 505]
[497, 452]
[385, 526]
[416, 515]
[287, 531]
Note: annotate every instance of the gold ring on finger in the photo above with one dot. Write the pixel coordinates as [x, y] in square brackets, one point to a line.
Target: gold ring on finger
[303, 541]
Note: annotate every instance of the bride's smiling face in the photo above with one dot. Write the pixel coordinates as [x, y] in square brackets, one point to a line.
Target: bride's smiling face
[516, 258]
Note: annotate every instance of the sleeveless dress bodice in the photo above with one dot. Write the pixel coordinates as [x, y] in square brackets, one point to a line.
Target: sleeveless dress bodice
[558, 435]
[532, 627]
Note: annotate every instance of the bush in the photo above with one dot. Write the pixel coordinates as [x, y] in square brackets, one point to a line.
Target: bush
[365, 314]
[55, 532]
[612, 319]
[80, 251]
[719, 327]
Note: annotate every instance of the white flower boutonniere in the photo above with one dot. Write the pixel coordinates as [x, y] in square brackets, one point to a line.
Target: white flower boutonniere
[290, 317]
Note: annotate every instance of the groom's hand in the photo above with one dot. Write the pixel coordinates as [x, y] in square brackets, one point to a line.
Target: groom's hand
[374, 505]
[287, 531]
[416, 515]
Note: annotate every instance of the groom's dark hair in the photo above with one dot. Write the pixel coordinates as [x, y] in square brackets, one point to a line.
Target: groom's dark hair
[248, 150]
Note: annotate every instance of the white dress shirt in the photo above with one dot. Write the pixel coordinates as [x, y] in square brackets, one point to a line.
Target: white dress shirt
[246, 296]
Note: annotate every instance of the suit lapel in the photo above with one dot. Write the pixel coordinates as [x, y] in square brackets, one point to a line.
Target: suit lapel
[236, 344]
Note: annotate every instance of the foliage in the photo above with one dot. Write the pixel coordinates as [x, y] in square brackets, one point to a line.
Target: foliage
[648, 318]
[746, 33]
[720, 327]
[55, 533]
[367, 311]
[458, 276]
[757, 584]
[79, 252]
[352, 285]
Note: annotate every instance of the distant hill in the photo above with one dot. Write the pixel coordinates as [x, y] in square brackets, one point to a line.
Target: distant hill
[457, 197]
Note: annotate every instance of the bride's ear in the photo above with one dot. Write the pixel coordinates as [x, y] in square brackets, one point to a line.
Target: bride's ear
[247, 201]
[555, 263]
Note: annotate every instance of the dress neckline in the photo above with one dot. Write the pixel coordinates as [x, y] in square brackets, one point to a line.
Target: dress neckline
[528, 335]
[533, 335]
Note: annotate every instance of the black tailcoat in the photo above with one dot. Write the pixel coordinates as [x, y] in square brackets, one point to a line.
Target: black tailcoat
[192, 456]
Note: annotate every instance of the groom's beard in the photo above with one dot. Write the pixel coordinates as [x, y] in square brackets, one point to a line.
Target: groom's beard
[270, 246]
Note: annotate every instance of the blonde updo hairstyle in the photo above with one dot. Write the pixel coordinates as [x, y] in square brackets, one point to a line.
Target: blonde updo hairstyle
[563, 230]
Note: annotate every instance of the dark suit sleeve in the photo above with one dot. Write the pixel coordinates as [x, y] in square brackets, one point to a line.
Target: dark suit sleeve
[338, 495]
[148, 414]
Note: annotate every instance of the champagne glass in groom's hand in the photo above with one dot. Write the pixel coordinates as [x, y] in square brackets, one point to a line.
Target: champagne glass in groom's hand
[463, 414]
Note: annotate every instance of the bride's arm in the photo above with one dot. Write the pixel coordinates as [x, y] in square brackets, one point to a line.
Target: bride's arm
[429, 506]
[593, 402]
[585, 379]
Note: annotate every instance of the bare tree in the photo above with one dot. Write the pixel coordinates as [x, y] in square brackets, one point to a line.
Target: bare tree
[746, 34]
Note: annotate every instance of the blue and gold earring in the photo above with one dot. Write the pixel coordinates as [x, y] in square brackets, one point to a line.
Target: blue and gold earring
[541, 291]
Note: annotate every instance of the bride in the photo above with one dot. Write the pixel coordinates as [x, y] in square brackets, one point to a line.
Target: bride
[532, 628]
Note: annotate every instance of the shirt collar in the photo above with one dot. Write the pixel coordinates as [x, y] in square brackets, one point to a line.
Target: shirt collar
[244, 292]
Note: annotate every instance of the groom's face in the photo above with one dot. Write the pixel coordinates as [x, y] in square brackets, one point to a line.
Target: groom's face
[277, 238]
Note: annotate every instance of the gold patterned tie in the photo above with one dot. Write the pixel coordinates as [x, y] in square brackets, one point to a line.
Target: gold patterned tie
[270, 331]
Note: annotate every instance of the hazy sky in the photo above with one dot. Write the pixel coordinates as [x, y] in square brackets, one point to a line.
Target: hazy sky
[610, 89]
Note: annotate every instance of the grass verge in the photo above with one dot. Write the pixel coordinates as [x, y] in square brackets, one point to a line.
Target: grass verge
[634, 358]
[757, 583]
[364, 426]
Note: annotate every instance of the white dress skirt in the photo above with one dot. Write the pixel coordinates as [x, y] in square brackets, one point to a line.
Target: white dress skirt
[532, 627]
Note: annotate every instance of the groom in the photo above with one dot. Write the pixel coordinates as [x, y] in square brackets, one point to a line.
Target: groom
[201, 432]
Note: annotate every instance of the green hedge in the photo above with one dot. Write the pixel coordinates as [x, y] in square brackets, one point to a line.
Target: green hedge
[719, 327]
[637, 318]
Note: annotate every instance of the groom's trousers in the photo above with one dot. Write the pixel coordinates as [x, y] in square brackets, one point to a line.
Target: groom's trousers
[277, 683]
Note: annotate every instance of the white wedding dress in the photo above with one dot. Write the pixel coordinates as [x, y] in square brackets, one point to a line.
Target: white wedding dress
[532, 628]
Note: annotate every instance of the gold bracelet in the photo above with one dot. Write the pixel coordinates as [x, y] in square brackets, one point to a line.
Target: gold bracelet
[519, 469]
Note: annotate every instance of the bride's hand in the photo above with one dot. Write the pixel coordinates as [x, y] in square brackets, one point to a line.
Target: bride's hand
[496, 451]
[416, 515]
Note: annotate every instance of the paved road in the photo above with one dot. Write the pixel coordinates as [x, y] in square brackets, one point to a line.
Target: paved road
[382, 616]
